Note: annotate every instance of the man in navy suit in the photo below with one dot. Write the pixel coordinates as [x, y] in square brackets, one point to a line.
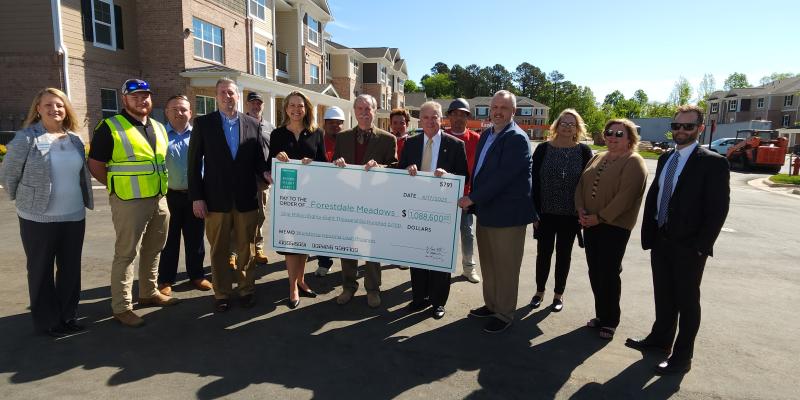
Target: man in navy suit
[440, 153]
[501, 199]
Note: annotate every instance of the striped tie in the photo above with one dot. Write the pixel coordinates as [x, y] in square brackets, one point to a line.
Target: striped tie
[666, 194]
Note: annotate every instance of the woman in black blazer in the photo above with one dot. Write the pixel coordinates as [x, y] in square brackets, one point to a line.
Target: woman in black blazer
[298, 138]
[556, 168]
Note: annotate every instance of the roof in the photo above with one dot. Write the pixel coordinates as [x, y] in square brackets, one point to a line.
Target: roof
[373, 52]
[326, 88]
[784, 86]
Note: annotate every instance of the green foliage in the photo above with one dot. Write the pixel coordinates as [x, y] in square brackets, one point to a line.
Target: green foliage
[785, 179]
[438, 86]
[736, 80]
[681, 92]
[668, 135]
[440, 68]
[776, 76]
[410, 86]
[613, 98]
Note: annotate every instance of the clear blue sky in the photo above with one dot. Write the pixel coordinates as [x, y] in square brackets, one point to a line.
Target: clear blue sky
[606, 45]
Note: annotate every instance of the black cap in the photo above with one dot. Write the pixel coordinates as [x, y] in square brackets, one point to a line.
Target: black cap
[135, 85]
[254, 96]
[459, 104]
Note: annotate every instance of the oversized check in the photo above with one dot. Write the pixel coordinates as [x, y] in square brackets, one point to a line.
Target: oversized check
[382, 215]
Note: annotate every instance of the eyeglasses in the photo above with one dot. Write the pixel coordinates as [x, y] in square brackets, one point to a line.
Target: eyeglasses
[567, 124]
[687, 127]
[132, 85]
[611, 132]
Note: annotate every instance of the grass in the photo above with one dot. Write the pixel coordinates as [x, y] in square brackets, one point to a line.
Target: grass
[644, 153]
[786, 179]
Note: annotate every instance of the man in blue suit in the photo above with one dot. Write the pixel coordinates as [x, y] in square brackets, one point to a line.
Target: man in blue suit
[501, 201]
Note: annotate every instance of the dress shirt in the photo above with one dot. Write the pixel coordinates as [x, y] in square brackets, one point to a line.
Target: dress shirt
[685, 153]
[178, 157]
[486, 146]
[437, 141]
[231, 128]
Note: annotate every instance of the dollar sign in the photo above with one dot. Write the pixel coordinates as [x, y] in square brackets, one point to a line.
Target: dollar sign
[404, 213]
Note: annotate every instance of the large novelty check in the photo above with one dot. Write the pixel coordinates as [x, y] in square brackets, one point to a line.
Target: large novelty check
[381, 215]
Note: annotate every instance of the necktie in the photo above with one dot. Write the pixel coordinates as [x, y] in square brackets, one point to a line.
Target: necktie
[427, 155]
[666, 194]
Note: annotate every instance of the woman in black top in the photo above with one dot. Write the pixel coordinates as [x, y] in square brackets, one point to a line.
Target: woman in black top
[556, 168]
[297, 139]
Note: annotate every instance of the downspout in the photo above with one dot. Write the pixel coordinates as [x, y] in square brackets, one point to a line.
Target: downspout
[58, 41]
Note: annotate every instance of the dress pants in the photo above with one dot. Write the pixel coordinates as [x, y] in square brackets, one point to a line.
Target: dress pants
[557, 231]
[182, 220]
[372, 278]
[53, 302]
[431, 286]
[605, 248]
[263, 202]
[232, 230]
[137, 221]
[500, 251]
[677, 273]
[467, 239]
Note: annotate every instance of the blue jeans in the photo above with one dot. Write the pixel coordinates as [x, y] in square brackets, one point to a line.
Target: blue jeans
[467, 239]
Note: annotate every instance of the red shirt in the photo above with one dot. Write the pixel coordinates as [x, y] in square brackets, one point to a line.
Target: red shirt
[330, 146]
[401, 141]
[470, 139]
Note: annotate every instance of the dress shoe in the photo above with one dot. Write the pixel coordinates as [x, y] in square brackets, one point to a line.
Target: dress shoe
[645, 345]
[165, 289]
[322, 271]
[292, 303]
[260, 257]
[232, 261]
[58, 331]
[536, 301]
[73, 326]
[129, 318]
[496, 325]
[471, 275]
[438, 312]
[402, 267]
[306, 293]
[222, 305]
[158, 300]
[374, 299]
[416, 306]
[344, 297]
[202, 284]
[557, 305]
[670, 367]
[247, 301]
[482, 312]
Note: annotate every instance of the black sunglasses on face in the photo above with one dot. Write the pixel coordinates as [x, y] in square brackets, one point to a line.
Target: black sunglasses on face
[687, 127]
[618, 134]
[133, 85]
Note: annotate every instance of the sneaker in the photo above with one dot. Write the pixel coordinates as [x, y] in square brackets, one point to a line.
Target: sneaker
[374, 299]
[322, 271]
[496, 325]
[129, 318]
[482, 312]
[261, 258]
[344, 297]
[471, 275]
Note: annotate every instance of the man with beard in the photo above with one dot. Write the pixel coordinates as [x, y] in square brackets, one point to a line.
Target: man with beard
[685, 209]
[127, 154]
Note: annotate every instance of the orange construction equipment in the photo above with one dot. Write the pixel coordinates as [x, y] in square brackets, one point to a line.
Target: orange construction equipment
[760, 149]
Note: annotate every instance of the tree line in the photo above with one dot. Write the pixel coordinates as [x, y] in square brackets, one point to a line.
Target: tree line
[557, 92]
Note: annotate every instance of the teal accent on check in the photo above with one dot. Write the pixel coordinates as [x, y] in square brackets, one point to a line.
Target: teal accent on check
[289, 179]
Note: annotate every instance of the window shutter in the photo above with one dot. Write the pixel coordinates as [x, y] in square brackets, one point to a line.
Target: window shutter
[86, 15]
[118, 26]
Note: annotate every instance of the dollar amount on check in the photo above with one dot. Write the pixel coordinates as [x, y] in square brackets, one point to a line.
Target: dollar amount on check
[381, 215]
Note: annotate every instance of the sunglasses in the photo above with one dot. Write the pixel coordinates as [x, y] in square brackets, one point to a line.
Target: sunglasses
[618, 134]
[134, 85]
[687, 127]
[567, 124]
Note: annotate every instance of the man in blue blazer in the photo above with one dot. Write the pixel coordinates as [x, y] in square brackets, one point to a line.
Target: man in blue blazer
[501, 200]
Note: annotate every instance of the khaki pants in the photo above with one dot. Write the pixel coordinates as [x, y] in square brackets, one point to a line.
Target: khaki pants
[226, 232]
[372, 277]
[136, 221]
[263, 201]
[500, 251]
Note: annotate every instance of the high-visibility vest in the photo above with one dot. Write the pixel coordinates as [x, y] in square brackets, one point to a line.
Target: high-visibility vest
[135, 171]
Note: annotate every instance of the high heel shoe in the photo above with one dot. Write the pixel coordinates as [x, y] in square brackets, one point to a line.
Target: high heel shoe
[292, 303]
[306, 293]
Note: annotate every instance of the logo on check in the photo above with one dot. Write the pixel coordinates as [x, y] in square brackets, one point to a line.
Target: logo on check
[289, 179]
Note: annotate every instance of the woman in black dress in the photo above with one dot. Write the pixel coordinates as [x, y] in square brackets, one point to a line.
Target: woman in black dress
[298, 138]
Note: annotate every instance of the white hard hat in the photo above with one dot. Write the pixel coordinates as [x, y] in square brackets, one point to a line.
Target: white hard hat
[334, 113]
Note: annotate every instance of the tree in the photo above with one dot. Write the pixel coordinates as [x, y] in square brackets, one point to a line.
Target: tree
[613, 98]
[554, 78]
[499, 78]
[410, 86]
[640, 97]
[681, 92]
[438, 86]
[531, 81]
[776, 76]
[463, 82]
[440, 68]
[736, 80]
[706, 87]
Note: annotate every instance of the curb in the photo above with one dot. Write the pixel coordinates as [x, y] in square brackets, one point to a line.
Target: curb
[779, 185]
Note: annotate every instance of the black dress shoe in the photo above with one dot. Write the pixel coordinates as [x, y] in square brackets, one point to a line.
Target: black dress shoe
[536, 301]
[557, 305]
[247, 301]
[73, 326]
[438, 312]
[306, 293]
[670, 367]
[416, 306]
[482, 312]
[58, 331]
[645, 345]
[292, 303]
[496, 325]
[222, 305]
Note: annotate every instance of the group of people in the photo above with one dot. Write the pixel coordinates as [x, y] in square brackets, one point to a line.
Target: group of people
[211, 175]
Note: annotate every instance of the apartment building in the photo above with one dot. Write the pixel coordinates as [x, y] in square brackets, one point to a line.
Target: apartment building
[89, 48]
[778, 102]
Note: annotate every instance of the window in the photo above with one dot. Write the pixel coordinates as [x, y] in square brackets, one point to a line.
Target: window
[481, 111]
[714, 107]
[208, 41]
[282, 64]
[313, 30]
[205, 104]
[108, 102]
[355, 67]
[103, 24]
[327, 61]
[732, 105]
[524, 111]
[383, 101]
[260, 61]
[258, 9]
[400, 85]
[383, 74]
[788, 100]
[314, 72]
[785, 121]
[760, 103]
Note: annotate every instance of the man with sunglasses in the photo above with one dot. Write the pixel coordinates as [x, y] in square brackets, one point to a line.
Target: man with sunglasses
[684, 212]
[128, 155]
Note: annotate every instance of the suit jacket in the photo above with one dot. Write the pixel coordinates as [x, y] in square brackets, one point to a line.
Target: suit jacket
[699, 202]
[452, 156]
[381, 147]
[214, 175]
[501, 189]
